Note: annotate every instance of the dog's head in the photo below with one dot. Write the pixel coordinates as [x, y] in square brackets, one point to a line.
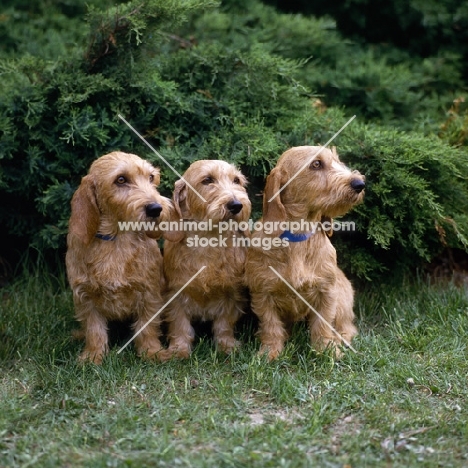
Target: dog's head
[212, 189]
[119, 187]
[314, 183]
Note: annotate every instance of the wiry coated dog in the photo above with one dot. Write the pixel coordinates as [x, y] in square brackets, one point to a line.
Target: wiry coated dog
[216, 294]
[306, 260]
[116, 274]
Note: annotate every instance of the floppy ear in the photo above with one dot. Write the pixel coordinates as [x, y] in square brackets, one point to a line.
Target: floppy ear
[175, 215]
[179, 195]
[84, 219]
[273, 210]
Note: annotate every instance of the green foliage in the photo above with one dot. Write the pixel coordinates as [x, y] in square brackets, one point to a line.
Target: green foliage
[381, 84]
[43, 28]
[121, 30]
[455, 129]
[423, 27]
[234, 83]
[416, 197]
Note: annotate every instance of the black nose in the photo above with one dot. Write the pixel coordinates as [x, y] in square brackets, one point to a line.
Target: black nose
[358, 185]
[153, 210]
[234, 206]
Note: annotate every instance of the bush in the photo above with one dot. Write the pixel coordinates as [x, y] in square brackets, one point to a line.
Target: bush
[381, 84]
[416, 199]
[220, 86]
[423, 28]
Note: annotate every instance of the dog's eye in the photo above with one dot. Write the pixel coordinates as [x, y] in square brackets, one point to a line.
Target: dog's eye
[121, 180]
[317, 164]
[207, 180]
[236, 180]
[151, 178]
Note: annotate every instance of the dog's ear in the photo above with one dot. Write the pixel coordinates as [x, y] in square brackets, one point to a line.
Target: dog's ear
[179, 195]
[175, 215]
[84, 219]
[273, 210]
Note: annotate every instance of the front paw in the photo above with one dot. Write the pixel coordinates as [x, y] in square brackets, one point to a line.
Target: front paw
[94, 357]
[272, 352]
[324, 345]
[153, 354]
[174, 353]
[228, 346]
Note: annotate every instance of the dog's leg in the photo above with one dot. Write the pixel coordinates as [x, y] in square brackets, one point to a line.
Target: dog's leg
[271, 329]
[322, 333]
[94, 326]
[147, 341]
[224, 324]
[181, 333]
[344, 310]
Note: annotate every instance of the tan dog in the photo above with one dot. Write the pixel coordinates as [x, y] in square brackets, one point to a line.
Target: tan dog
[217, 292]
[307, 261]
[116, 274]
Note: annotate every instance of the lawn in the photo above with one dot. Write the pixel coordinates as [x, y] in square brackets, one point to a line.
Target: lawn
[401, 400]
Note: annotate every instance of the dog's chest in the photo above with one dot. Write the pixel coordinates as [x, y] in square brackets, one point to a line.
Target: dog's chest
[311, 266]
[223, 270]
[124, 267]
[220, 272]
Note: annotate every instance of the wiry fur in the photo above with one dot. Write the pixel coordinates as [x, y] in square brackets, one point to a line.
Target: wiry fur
[120, 278]
[217, 292]
[310, 266]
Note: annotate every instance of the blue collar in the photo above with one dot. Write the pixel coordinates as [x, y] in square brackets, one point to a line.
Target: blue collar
[296, 237]
[106, 237]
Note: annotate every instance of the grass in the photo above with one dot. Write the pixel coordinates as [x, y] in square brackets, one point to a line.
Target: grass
[401, 401]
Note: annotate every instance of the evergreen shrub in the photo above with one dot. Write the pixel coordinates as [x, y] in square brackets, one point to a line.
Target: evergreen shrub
[216, 86]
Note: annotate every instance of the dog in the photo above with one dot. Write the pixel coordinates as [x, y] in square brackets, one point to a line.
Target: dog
[116, 274]
[217, 293]
[305, 260]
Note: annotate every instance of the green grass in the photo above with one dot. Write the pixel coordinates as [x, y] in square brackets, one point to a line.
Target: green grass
[240, 411]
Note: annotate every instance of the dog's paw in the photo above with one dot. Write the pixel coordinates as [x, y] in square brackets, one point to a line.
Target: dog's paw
[174, 353]
[94, 357]
[154, 354]
[331, 346]
[271, 352]
[228, 346]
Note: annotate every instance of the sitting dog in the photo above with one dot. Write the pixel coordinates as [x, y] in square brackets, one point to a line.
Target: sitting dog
[116, 274]
[216, 293]
[305, 276]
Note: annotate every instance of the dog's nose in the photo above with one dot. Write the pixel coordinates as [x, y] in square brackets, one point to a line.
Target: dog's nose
[153, 210]
[234, 206]
[358, 185]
